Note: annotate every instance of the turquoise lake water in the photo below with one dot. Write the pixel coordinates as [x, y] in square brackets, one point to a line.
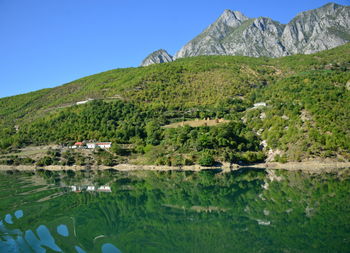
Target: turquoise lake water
[209, 211]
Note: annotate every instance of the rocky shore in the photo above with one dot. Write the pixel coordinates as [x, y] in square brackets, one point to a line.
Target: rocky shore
[308, 166]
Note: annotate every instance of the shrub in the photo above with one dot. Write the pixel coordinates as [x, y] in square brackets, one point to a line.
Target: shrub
[45, 161]
[206, 159]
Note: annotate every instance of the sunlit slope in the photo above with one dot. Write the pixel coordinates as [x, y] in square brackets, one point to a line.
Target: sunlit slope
[307, 112]
[197, 81]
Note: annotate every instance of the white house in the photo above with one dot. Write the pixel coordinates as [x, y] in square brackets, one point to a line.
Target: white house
[261, 104]
[84, 102]
[78, 145]
[91, 145]
[104, 144]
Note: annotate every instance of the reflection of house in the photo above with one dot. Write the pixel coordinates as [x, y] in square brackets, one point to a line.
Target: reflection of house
[104, 188]
[75, 188]
[92, 145]
[90, 188]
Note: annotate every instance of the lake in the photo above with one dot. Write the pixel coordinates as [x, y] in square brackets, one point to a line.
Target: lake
[209, 211]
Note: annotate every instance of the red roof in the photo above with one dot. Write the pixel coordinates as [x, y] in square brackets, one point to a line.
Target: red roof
[78, 143]
[104, 143]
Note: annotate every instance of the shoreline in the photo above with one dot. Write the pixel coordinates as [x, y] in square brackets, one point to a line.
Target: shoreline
[307, 166]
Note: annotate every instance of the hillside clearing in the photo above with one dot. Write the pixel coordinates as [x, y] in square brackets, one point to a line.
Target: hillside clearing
[197, 123]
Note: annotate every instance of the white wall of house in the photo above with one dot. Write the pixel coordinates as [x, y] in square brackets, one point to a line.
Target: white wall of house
[104, 145]
[91, 145]
[84, 102]
[261, 104]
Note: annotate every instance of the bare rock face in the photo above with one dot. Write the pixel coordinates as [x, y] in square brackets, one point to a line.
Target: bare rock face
[158, 56]
[235, 34]
[209, 41]
[259, 37]
[317, 30]
[309, 32]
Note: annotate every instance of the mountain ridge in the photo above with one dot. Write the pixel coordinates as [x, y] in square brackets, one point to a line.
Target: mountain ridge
[159, 56]
[232, 33]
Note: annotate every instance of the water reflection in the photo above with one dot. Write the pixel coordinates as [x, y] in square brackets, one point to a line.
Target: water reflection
[15, 240]
[109, 248]
[79, 250]
[62, 230]
[19, 214]
[243, 211]
[90, 188]
[45, 240]
[8, 219]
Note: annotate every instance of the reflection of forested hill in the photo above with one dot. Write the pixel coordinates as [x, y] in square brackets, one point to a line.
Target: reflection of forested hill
[198, 212]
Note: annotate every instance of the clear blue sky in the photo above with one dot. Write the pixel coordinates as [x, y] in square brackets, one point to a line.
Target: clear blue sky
[46, 43]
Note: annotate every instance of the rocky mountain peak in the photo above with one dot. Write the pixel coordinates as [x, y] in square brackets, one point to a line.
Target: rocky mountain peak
[159, 56]
[331, 6]
[235, 34]
[327, 9]
[264, 24]
[217, 31]
[228, 16]
[228, 19]
[318, 29]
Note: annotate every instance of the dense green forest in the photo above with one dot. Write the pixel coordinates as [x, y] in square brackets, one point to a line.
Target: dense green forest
[307, 113]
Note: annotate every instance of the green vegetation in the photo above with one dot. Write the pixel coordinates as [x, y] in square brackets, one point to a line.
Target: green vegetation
[307, 113]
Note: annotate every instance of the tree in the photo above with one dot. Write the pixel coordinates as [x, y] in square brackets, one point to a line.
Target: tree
[45, 161]
[206, 159]
[117, 149]
[154, 133]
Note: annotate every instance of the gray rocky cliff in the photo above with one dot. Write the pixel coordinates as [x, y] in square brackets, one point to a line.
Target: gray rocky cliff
[158, 56]
[257, 37]
[235, 34]
[209, 41]
[316, 30]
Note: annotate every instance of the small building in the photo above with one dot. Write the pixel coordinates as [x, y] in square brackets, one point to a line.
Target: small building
[78, 145]
[91, 145]
[84, 101]
[104, 144]
[261, 104]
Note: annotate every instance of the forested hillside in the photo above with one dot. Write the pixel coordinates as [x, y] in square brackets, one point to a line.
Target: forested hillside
[307, 112]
